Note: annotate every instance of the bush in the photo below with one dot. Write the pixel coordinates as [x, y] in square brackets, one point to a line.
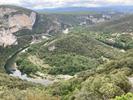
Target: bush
[69, 63]
[103, 86]
[27, 67]
[110, 90]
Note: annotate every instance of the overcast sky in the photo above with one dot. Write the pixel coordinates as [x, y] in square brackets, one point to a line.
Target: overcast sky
[40, 4]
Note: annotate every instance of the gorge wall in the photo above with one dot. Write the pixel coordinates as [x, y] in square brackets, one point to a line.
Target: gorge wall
[11, 21]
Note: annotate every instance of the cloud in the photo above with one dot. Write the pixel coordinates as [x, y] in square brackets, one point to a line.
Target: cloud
[40, 4]
[120, 1]
[14, 2]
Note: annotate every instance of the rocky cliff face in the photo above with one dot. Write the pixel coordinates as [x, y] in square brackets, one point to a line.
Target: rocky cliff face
[11, 21]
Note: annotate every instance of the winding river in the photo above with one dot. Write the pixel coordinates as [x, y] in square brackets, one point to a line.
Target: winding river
[9, 65]
[12, 70]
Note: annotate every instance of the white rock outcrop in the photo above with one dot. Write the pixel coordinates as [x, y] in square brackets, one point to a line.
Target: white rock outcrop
[7, 39]
[11, 22]
[20, 21]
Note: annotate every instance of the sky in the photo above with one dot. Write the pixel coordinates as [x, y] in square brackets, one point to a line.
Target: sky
[41, 4]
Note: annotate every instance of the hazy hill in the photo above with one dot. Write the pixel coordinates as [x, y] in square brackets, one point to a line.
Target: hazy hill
[73, 19]
[123, 24]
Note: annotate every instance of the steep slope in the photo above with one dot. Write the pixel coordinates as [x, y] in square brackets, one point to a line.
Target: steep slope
[13, 20]
[19, 21]
[20, 26]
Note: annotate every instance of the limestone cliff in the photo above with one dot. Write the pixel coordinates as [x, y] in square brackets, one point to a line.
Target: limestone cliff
[11, 21]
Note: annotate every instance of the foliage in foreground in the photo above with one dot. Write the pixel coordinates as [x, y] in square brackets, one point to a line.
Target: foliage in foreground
[28, 94]
[15, 89]
[128, 96]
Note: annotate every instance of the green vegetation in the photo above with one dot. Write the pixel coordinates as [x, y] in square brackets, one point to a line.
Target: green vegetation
[101, 71]
[100, 62]
[28, 94]
[67, 54]
[25, 36]
[69, 64]
[27, 67]
[106, 82]
[120, 40]
[128, 96]
[15, 89]
[10, 50]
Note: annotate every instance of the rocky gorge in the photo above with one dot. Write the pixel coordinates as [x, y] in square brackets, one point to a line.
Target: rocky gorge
[11, 22]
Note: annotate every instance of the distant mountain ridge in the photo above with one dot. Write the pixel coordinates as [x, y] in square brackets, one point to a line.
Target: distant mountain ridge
[123, 9]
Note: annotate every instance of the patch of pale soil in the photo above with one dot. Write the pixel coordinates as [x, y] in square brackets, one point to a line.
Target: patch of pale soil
[53, 77]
